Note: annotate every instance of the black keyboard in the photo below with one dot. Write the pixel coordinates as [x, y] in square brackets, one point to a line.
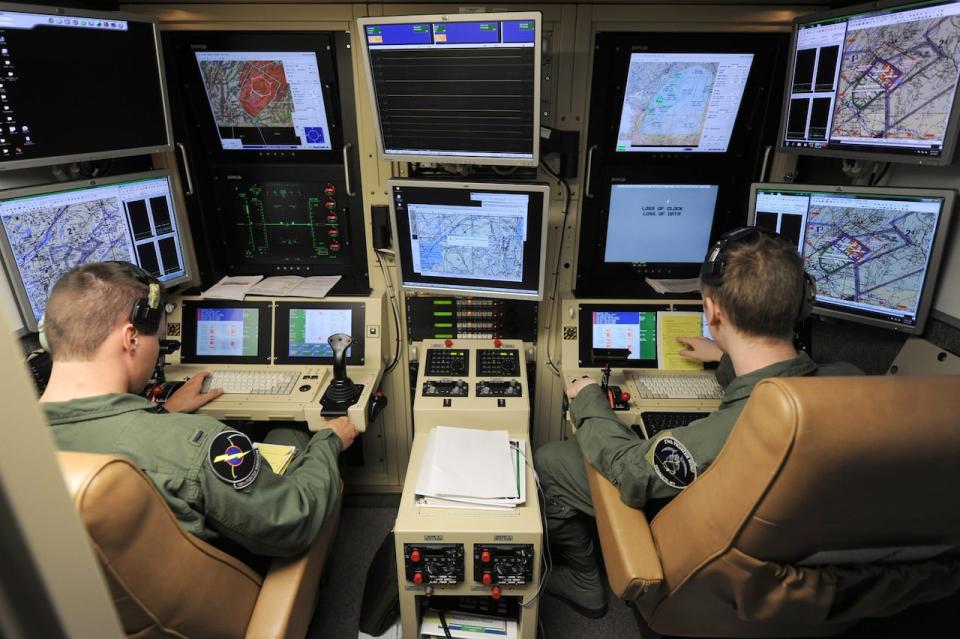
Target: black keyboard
[654, 422]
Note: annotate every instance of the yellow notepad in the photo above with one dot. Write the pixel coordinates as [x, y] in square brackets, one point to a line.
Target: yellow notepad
[670, 326]
[277, 455]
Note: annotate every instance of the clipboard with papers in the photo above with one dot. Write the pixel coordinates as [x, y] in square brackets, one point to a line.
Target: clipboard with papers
[472, 469]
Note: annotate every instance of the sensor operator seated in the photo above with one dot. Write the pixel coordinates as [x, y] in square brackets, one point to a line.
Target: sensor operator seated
[754, 289]
[103, 325]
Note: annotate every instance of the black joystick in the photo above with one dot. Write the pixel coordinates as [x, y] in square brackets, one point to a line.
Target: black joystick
[342, 393]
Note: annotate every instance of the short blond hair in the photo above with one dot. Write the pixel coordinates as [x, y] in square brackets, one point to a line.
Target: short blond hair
[86, 304]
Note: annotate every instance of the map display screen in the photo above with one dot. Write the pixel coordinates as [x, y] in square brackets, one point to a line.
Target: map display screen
[660, 223]
[682, 102]
[47, 234]
[870, 253]
[266, 101]
[475, 239]
[883, 80]
[310, 328]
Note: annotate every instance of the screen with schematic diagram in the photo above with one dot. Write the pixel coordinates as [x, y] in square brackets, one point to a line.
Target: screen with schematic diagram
[277, 225]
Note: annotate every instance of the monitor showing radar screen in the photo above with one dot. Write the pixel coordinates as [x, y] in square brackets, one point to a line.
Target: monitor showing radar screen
[875, 253]
[682, 102]
[130, 218]
[875, 81]
[455, 88]
[471, 238]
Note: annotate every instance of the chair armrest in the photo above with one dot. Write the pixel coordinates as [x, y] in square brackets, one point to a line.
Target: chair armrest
[289, 593]
[629, 554]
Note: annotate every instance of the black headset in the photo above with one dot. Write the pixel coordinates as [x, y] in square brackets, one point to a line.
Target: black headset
[715, 263]
[147, 311]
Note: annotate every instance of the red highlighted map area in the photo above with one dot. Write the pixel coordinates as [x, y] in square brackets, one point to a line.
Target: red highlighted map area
[261, 83]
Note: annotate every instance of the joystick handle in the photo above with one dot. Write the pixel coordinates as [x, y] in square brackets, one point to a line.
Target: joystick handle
[340, 342]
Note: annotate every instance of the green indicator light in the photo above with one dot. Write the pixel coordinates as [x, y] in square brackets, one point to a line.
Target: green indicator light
[442, 325]
[443, 313]
[443, 336]
[442, 302]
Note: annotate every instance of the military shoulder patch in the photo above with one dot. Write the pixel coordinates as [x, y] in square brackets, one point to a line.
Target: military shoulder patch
[673, 463]
[234, 459]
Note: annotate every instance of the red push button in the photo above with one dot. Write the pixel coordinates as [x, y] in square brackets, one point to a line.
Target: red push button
[495, 593]
[448, 343]
[497, 343]
[625, 396]
[414, 555]
[485, 556]
[487, 579]
[418, 578]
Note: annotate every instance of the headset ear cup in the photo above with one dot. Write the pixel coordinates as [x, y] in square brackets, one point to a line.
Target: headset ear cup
[809, 296]
[41, 335]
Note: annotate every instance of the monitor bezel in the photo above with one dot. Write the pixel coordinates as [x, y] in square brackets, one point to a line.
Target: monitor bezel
[585, 328]
[183, 230]
[281, 332]
[937, 250]
[454, 158]
[115, 153]
[188, 331]
[953, 124]
[543, 189]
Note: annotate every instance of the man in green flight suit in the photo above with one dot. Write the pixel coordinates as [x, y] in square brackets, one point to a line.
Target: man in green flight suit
[103, 324]
[754, 289]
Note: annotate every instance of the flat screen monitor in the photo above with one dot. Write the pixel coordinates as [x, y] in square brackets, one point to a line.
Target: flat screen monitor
[471, 239]
[302, 329]
[681, 102]
[51, 229]
[226, 332]
[266, 101]
[875, 252]
[79, 85]
[875, 81]
[625, 325]
[659, 223]
[455, 88]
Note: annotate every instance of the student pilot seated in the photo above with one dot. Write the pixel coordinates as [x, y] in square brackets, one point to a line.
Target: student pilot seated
[754, 289]
[103, 324]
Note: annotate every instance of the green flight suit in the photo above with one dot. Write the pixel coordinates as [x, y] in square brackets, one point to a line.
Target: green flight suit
[275, 515]
[628, 461]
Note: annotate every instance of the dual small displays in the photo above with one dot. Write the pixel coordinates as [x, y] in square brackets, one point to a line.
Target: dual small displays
[219, 332]
[875, 82]
[875, 253]
[625, 326]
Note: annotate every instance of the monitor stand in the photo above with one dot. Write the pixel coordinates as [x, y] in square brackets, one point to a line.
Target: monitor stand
[342, 393]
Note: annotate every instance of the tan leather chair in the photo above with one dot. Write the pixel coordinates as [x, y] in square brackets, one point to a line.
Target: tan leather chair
[168, 583]
[834, 499]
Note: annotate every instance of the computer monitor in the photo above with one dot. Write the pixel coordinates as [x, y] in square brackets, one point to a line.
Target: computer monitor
[302, 329]
[455, 88]
[681, 102]
[226, 332]
[875, 252]
[471, 238]
[266, 100]
[79, 85]
[876, 81]
[659, 223]
[50, 229]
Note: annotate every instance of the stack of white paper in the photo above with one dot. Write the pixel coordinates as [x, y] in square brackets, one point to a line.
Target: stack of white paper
[471, 468]
[295, 286]
[232, 287]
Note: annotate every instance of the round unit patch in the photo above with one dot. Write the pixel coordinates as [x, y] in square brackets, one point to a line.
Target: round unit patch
[673, 463]
[234, 459]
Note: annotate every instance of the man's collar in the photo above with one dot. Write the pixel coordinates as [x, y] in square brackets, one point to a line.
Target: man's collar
[97, 407]
[742, 386]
